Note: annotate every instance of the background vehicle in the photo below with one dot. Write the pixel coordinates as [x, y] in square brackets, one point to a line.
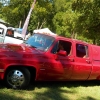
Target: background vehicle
[3, 30]
[10, 35]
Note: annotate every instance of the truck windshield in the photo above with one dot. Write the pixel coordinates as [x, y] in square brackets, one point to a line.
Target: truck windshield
[40, 41]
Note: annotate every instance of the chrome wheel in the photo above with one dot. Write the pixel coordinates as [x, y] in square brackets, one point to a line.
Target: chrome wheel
[15, 78]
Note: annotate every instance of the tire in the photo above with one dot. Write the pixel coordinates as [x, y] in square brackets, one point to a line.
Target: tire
[17, 78]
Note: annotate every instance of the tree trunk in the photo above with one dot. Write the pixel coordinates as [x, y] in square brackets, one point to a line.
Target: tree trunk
[75, 35]
[44, 21]
[72, 34]
[94, 41]
[20, 24]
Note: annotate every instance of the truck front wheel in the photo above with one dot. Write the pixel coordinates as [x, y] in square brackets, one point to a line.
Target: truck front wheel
[17, 78]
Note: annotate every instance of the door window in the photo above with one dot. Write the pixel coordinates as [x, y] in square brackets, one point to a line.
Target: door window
[81, 51]
[11, 32]
[62, 45]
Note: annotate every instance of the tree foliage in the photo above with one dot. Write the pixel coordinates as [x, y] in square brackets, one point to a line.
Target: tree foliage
[0, 9]
[42, 16]
[78, 19]
[89, 18]
[16, 11]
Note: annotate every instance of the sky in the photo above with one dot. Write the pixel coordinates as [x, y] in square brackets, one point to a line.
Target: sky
[5, 2]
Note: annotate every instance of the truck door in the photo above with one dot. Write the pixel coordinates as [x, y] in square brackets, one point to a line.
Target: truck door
[82, 62]
[60, 64]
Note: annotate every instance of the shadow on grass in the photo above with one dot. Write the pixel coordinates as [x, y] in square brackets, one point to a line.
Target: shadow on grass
[2, 84]
[6, 96]
[67, 84]
[87, 98]
[55, 91]
[56, 84]
[51, 90]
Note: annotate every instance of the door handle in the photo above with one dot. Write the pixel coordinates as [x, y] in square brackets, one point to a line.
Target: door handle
[88, 61]
[71, 59]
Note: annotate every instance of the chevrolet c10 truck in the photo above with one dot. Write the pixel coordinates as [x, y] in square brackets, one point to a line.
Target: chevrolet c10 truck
[41, 59]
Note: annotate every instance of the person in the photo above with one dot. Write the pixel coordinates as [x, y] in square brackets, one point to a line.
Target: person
[60, 47]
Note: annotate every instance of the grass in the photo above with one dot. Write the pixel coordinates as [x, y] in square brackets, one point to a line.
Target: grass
[87, 90]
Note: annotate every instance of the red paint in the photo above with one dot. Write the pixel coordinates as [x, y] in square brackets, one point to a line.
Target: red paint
[53, 66]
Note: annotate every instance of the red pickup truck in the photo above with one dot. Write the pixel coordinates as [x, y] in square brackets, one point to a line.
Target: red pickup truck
[41, 58]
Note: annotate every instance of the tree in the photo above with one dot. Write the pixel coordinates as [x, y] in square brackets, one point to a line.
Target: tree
[65, 19]
[42, 16]
[72, 18]
[16, 11]
[89, 18]
[0, 9]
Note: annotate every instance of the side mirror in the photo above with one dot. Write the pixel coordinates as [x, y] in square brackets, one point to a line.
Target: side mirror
[62, 53]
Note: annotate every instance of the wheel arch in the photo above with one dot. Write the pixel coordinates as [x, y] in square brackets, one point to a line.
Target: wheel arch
[31, 69]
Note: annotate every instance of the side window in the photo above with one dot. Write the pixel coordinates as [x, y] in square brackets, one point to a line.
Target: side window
[10, 33]
[81, 51]
[54, 50]
[62, 45]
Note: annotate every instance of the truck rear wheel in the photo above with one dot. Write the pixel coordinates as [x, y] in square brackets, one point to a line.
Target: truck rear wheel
[17, 78]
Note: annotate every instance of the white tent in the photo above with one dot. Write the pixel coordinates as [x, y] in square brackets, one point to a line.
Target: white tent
[44, 31]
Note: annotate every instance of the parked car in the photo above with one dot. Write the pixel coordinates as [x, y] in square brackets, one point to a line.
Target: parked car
[39, 59]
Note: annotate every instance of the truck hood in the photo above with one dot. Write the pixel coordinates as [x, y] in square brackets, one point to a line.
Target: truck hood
[19, 48]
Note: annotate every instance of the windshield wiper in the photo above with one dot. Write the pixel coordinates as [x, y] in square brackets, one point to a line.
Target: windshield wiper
[30, 45]
[33, 46]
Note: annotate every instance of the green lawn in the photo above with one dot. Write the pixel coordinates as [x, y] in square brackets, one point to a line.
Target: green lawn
[54, 91]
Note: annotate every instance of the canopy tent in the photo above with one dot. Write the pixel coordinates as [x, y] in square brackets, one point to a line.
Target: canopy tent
[44, 31]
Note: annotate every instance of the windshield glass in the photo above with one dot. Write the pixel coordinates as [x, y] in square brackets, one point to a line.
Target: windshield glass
[40, 41]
